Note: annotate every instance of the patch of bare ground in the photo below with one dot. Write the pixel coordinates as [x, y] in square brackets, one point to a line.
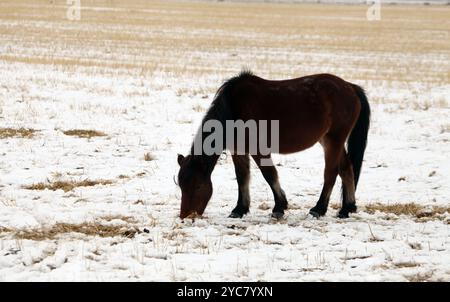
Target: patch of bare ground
[87, 228]
[445, 128]
[411, 209]
[67, 186]
[128, 219]
[149, 157]
[420, 277]
[173, 234]
[421, 213]
[264, 206]
[4, 230]
[84, 133]
[335, 206]
[20, 132]
[406, 264]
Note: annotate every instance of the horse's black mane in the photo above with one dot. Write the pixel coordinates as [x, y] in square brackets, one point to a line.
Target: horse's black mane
[220, 109]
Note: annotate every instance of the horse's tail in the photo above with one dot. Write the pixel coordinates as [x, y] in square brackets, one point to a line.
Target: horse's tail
[356, 144]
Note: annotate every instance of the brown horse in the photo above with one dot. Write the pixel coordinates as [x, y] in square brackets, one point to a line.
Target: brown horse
[318, 108]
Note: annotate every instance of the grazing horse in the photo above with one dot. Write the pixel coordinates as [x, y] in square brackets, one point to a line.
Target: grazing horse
[317, 108]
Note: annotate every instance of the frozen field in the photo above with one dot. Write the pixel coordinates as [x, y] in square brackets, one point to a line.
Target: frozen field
[101, 205]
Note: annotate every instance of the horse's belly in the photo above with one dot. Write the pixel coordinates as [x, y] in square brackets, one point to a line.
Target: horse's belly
[303, 119]
[298, 136]
[296, 145]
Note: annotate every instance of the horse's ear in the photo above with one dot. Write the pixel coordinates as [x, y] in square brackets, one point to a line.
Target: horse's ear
[180, 159]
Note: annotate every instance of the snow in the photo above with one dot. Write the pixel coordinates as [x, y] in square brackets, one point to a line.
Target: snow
[153, 112]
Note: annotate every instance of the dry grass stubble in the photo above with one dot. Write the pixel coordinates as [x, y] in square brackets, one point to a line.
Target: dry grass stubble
[20, 132]
[67, 186]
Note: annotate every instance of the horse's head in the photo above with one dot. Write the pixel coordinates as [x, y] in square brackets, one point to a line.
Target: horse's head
[194, 180]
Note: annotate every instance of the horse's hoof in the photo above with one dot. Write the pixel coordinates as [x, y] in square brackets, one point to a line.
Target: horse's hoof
[351, 208]
[235, 215]
[277, 215]
[342, 214]
[316, 212]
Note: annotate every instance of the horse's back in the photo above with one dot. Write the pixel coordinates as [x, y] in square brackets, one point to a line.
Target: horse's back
[307, 108]
[306, 89]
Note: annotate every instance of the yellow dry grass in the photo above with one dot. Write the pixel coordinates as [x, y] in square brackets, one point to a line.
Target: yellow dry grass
[67, 185]
[20, 132]
[149, 157]
[420, 212]
[87, 228]
[411, 209]
[406, 264]
[5, 230]
[96, 228]
[128, 219]
[410, 43]
[420, 277]
[84, 133]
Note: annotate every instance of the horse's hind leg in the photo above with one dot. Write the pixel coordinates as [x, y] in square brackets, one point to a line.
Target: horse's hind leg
[242, 169]
[270, 174]
[348, 186]
[333, 149]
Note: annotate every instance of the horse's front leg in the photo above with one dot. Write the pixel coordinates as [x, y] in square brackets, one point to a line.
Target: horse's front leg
[242, 169]
[270, 174]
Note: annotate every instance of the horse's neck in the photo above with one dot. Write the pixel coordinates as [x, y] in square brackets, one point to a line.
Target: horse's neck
[218, 112]
[210, 161]
[197, 148]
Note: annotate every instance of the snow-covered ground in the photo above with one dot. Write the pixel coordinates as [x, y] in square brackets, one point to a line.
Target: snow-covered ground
[146, 84]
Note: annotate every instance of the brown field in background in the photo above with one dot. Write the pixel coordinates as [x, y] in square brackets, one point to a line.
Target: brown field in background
[191, 40]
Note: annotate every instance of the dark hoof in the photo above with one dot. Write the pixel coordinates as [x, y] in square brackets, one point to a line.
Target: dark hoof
[235, 215]
[317, 212]
[239, 213]
[343, 213]
[351, 208]
[277, 215]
